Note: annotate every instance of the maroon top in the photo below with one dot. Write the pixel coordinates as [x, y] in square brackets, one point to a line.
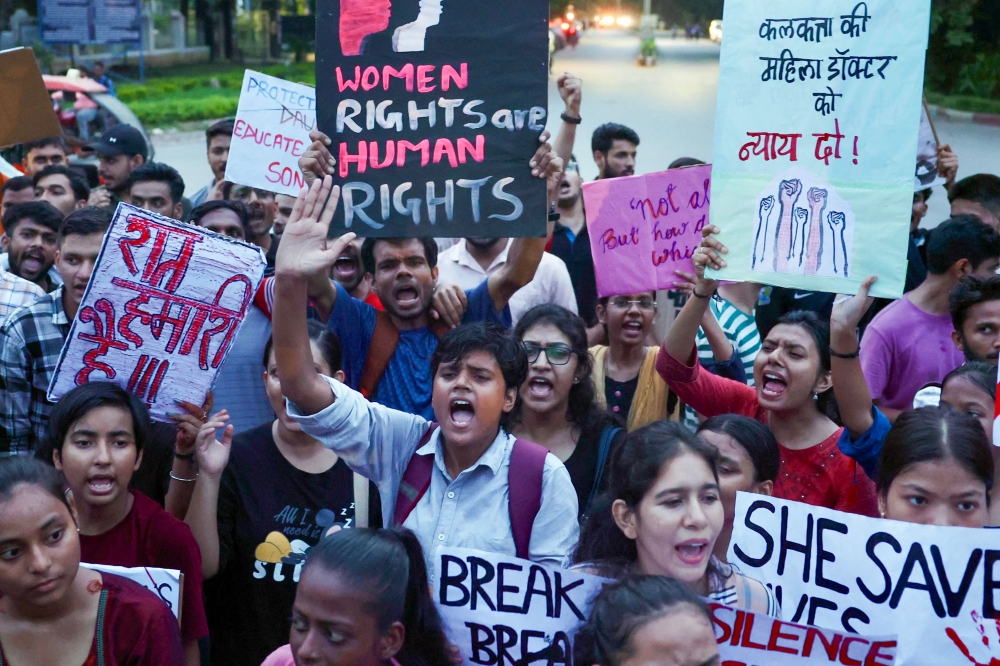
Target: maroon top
[151, 537]
[134, 628]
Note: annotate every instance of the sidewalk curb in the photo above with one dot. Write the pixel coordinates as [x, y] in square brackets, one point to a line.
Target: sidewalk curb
[992, 119]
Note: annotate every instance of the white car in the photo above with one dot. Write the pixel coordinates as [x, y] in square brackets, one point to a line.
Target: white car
[715, 31]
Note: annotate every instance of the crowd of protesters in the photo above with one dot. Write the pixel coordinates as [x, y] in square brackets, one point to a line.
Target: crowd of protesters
[468, 367]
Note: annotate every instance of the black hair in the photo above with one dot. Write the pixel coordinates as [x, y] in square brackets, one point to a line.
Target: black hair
[224, 127]
[368, 250]
[47, 141]
[161, 173]
[971, 290]
[389, 566]
[624, 607]
[755, 438]
[980, 373]
[84, 399]
[685, 162]
[582, 411]
[924, 194]
[327, 342]
[935, 433]
[239, 207]
[983, 188]
[604, 137]
[633, 469]
[40, 212]
[81, 191]
[17, 470]
[86, 221]
[492, 339]
[961, 237]
[17, 184]
[819, 331]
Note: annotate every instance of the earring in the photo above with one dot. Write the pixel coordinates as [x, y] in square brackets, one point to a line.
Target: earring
[576, 380]
[815, 396]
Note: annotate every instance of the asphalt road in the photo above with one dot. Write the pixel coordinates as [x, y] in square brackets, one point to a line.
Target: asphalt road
[671, 106]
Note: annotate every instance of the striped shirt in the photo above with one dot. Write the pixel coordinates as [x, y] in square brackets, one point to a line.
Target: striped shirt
[741, 329]
[15, 292]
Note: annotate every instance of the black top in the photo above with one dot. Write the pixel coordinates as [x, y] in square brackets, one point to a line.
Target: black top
[152, 478]
[270, 513]
[271, 256]
[619, 396]
[575, 253]
[582, 465]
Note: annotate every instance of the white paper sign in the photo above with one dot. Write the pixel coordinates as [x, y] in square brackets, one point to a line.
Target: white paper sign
[932, 587]
[162, 308]
[164, 583]
[746, 638]
[273, 121]
[926, 175]
[499, 609]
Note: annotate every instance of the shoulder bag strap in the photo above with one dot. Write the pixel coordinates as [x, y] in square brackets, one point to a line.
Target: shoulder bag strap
[416, 480]
[603, 450]
[385, 337]
[524, 481]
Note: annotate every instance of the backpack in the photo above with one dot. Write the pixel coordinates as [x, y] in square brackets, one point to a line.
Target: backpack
[603, 450]
[524, 478]
[385, 337]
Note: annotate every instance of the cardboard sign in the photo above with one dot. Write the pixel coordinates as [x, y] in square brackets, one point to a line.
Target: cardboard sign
[500, 610]
[163, 306]
[816, 122]
[26, 112]
[643, 228]
[926, 175]
[273, 121]
[935, 588]
[434, 110]
[996, 417]
[746, 638]
[164, 583]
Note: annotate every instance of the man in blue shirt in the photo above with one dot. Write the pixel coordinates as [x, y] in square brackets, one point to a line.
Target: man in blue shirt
[101, 76]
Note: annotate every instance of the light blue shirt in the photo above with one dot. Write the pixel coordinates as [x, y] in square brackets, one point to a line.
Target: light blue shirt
[470, 511]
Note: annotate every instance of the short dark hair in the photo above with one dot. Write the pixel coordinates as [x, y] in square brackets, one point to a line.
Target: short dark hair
[980, 373]
[47, 141]
[160, 173]
[983, 188]
[22, 470]
[40, 212]
[487, 337]
[86, 221]
[368, 250]
[755, 438]
[235, 205]
[224, 127]
[326, 340]
[685, 162]
[17, 184]
[604, 137]
[935, 433]
[961, 237]
[84, 399]
[971, 290]
[81, 191]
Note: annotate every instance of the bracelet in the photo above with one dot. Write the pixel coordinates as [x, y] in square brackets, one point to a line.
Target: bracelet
[570, 119]
[184, 456]
[847, 356]
[697, 295]
[177, 478]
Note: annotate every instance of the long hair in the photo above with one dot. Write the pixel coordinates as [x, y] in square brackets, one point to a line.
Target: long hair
[819, 331]
[755, 438]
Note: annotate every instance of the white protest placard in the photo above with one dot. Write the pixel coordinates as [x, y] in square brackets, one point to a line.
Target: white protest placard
[164, 583]
[161, 310]
[746, 638]
[273, 121]
[500, 610]
[934, 588]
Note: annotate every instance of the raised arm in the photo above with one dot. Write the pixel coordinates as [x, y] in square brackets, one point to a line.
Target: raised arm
[525, 254]
[722, 349]
[849, 386]
[304, 253]
[571, 91]
[680, 340]
[317, 161]
[202, 512]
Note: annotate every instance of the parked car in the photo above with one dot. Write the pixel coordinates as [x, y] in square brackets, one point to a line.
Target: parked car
[715, 31]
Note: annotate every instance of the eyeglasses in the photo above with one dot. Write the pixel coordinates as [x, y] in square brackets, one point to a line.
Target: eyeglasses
[556, 354]
[623, 303]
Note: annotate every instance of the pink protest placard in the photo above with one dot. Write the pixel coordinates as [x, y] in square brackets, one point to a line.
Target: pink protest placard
[643, 228]
[160, 313]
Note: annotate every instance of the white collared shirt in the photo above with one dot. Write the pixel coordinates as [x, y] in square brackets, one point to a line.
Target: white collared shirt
[551, 284]
[470, 511]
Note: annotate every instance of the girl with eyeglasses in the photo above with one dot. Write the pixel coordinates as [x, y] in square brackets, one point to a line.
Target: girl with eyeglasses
[556, 404]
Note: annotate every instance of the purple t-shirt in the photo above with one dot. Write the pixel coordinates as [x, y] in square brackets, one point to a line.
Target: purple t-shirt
[905, 348]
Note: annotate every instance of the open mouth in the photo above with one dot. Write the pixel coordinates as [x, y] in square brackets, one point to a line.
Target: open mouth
[32, 262]
[692, 552]
[462, 412]
[407, 297]
[345, 268]
[101, 485]
[632, 326]
[773, 385]
[539, 387]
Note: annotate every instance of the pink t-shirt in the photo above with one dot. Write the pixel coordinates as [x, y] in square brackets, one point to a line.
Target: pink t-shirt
[905, 348]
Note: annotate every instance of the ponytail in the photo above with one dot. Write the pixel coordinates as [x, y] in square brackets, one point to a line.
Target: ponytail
[425, 643]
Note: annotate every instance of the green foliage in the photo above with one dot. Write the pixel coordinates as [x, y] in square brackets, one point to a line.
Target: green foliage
[963, 55]
[964, 103]
[980, 78]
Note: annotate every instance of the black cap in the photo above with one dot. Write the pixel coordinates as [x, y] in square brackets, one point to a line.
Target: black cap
[120, 140]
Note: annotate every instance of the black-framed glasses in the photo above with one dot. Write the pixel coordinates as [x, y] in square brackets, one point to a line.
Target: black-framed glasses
[556, 354]
[624, 303]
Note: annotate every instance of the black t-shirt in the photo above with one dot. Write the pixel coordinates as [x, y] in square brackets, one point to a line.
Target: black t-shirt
[269, 515]
[619, 396]
[152, 478]
[582, 465]
[575, 253]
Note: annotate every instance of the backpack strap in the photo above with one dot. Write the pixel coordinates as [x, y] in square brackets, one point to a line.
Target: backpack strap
[603, 450]
[385, 337]
[524, 481]
[416, 480]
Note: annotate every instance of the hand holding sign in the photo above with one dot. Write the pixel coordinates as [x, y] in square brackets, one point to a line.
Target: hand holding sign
[304, 251]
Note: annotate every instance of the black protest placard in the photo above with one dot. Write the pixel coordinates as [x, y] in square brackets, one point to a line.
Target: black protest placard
[434, 109]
